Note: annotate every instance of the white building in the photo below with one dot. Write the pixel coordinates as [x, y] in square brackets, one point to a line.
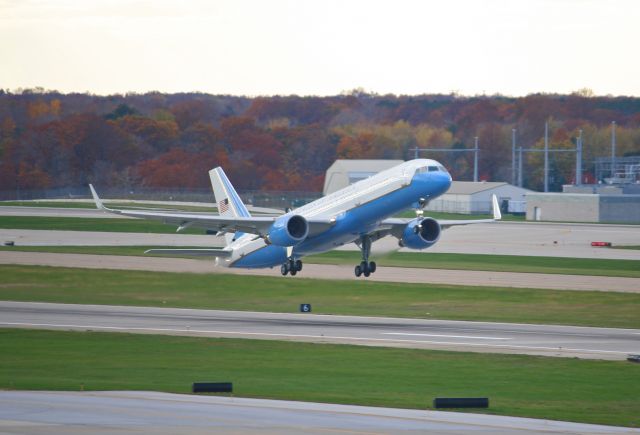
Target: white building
[346, 172]
[471, 198]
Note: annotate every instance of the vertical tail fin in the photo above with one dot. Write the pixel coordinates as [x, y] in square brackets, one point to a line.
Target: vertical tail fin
[228, 200]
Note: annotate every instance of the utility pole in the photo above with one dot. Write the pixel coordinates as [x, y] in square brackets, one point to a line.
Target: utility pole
[513, 156]
[546, 156]
[475, 161]
[579, 160]
[520, 168]
[613, 149]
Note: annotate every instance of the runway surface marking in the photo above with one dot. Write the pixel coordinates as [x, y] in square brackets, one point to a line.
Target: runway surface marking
[444, 336]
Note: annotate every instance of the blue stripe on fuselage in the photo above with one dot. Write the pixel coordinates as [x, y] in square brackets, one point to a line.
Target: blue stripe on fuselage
[356, 221]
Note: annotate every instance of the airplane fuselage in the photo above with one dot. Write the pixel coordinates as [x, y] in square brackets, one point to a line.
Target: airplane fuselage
[356, 210]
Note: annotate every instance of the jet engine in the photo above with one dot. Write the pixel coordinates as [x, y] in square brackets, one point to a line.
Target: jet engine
[420, 233]
[288, 231]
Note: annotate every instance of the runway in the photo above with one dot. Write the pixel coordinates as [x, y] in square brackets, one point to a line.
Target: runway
[531, 238]
[134, 412]
[548, 340]
[341, 272]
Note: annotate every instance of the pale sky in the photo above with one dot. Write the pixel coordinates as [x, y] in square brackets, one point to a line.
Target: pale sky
[321, 47]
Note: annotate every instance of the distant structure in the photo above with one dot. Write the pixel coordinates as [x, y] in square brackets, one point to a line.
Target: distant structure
[346, 172]
[614, 199]
[583, 207]
[469, 197]
[623, 171]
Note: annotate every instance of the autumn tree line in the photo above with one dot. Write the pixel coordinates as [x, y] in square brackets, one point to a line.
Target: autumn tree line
[286, 143]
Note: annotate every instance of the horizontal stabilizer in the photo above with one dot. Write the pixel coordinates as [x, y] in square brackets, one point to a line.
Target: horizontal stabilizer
[205, 252]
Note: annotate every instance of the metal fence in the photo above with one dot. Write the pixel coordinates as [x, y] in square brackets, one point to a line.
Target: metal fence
[280, 200]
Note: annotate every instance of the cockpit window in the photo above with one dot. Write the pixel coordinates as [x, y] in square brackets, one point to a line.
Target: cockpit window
[432, 168]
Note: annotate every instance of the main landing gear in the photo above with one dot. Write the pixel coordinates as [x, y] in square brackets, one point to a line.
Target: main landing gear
[291, 266]
[365, 267]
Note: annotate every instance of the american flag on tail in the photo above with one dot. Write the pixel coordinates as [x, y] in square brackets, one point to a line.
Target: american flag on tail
[224, 205]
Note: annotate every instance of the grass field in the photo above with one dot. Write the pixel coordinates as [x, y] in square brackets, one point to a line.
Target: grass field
[553, 388]
[498, 263]
[360, 298]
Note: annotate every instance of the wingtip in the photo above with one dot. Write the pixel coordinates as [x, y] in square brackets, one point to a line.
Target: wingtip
[96, 198]
[497, 215]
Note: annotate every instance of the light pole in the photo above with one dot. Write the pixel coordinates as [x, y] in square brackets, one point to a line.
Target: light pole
[475, 160]
[513, 156]
[579, 160]
[546, 156]
[613, 149]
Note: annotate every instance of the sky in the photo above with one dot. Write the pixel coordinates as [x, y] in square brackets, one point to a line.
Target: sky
[321, 47]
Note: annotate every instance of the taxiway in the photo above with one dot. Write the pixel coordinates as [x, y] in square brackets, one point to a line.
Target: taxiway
[134, 412]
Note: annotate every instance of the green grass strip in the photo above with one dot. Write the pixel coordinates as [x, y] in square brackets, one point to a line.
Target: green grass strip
[497, 263]
[601, 392]
[278, 294]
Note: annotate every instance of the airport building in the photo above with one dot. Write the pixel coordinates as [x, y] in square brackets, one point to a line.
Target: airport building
[346, 172]
[615, 199]
[469, 197]
[583, 207]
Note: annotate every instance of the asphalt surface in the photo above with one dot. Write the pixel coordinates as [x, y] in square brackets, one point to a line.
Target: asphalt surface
[532, 238]
[549, 340]
[341, 272]
[135, 412]
[103, 238]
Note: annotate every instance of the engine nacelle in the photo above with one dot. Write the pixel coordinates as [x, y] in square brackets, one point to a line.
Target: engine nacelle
[288, 231]
[421, 233]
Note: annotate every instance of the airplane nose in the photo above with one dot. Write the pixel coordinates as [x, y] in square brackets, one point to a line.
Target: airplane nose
[442, 180]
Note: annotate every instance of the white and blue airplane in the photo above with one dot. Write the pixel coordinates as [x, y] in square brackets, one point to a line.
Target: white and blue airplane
[360, 213]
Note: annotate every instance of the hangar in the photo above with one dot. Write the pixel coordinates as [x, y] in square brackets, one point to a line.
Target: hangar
[345, 172]
[470, 197]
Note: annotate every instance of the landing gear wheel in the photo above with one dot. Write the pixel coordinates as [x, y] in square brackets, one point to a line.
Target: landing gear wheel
[372, 266]
[284, 269]
[358, 271]
[293, 272]
[298, 265]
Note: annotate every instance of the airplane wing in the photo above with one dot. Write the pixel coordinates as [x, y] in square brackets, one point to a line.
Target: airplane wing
[258, 225]
[396, 226]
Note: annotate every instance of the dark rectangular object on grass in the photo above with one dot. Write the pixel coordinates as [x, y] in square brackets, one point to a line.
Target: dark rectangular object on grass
[461, 402]
[212, 387]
